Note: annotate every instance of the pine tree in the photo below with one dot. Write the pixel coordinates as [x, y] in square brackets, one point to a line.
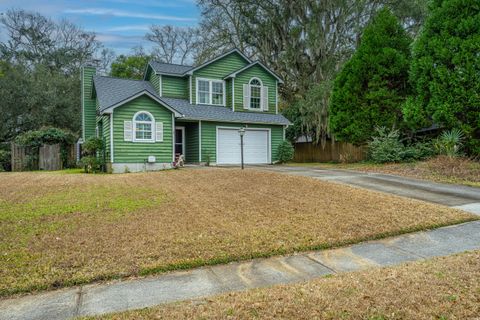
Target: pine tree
[445, 71]
[373, 84]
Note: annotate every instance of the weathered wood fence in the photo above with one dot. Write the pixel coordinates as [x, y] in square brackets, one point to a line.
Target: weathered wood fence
[47, 157]
[333, 152]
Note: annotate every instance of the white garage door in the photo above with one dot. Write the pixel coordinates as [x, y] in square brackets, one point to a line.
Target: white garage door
[255, 146]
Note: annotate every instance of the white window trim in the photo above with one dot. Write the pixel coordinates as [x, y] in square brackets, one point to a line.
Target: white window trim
[134, 127]
[210, 92]
[250, 101]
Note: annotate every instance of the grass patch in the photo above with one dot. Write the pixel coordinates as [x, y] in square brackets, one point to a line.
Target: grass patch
[61, 230]
[440, 169]
[410, 291]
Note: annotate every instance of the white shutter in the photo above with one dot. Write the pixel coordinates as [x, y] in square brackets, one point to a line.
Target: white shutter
[265, 98]
[246, 96]
[127, 131]
[159, 132]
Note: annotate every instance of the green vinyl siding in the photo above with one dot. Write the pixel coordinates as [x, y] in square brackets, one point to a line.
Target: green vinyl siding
[218, 70]
[228, 87]
[174, 87]
[155, 81]
[138, 152]
[209, 137]
[267, 79]
[89, 112]
[191, 140]
[106, 136]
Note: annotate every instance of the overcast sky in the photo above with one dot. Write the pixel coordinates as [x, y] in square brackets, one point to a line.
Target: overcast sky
[119, 24]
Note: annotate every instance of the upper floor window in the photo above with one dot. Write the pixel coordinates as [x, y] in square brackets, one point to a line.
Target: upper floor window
[143, 124]
[255, 93]
[210, 92]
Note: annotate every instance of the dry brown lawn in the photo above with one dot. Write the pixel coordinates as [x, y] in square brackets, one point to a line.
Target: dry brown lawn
[442, 288]
[65, 229]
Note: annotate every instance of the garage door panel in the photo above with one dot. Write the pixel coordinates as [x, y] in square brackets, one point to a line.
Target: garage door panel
[228, 145]
[256, 146]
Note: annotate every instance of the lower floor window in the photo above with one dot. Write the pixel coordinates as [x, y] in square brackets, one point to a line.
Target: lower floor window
[143, 126]
[143, 131]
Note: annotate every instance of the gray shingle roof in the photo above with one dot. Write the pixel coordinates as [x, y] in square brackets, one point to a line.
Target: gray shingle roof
[216, 113]
[168, 68]
[112, 91]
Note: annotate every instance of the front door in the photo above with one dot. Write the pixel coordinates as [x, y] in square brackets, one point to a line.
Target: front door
[179, 141]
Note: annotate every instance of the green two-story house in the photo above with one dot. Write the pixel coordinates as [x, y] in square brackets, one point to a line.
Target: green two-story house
[195, 111]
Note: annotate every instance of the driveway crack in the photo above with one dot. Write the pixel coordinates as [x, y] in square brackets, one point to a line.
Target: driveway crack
[78, 301]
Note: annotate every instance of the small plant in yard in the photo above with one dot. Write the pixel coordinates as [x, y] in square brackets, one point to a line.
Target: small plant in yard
[385, 146]
[450, 143]
[208, 159]
[5, 156]
[285, 152]
[91, 159]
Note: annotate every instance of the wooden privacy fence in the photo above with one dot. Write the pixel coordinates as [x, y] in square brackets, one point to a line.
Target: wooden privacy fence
[47, 157]
[21, 159]
[333, 152]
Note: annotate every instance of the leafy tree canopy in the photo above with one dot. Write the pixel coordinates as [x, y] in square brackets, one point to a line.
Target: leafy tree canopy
[130, 67]
[373, 84]
[445, 71]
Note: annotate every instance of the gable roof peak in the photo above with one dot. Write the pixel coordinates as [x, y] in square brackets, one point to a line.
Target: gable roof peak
[234, 74]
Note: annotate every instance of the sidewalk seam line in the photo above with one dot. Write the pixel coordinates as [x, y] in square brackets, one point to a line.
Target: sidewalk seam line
[323, 265]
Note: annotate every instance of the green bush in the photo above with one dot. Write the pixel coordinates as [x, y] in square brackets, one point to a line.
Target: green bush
[91, 164]
[450, 143]
[419, 151]
[92, 146]
[5, 160]
[285, 152]
[92, 155]
[37, 138]
[386, 146]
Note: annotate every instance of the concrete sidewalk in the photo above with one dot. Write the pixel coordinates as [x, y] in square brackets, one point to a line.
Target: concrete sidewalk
[117, 296]
[462, 197]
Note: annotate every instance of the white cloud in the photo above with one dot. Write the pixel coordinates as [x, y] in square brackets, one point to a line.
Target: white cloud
[126, 14]
[134, 27]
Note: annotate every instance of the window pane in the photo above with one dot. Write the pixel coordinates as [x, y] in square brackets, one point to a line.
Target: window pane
[203, 86]
[254, 92]
[217, 98]
[143, 117]
[255, 103]
[143, 131]
[203, 97]
[255, 82]
[217, 87]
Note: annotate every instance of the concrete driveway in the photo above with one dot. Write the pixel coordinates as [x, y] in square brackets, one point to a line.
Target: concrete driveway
[463, 197]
